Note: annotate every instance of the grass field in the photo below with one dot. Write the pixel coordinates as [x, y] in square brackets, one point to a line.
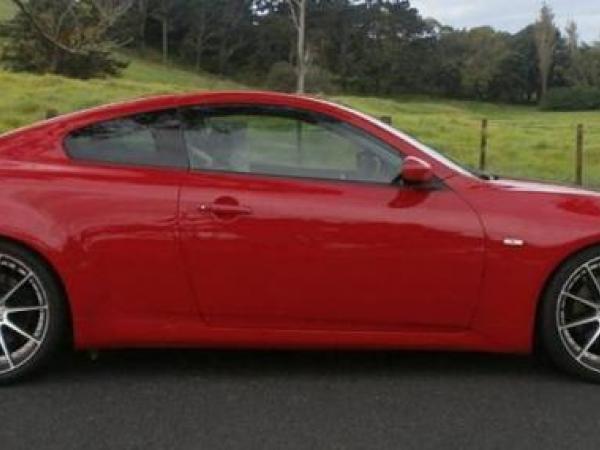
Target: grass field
[523, 142]
[25, 97]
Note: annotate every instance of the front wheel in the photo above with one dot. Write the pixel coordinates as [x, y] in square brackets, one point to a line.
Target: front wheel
[570, 316]
[32, 313]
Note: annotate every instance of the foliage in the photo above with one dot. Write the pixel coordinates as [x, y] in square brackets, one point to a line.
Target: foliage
[370, 47]
[546, 37]
[584, 69]
[282, 77]
[64, 37]
[579, 98]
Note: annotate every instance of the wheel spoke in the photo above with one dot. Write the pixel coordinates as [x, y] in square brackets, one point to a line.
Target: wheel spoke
[20, 331]
[18, 286]
[590, 343]
[594, 280]
[580, 323]
[5, 350]
[24, 313]
[581, 300]
[26, 309]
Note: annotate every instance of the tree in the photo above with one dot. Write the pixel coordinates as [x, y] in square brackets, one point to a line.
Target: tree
[234, 32]
[298, 14]
[199, 30]
[518, 78]
[143, 11]
[162, 11]
[545, 39]
[487, 50]
[69, 37]
[572, 32]
[390, 43]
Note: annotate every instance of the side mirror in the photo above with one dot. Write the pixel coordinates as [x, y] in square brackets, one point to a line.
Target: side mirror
[415, 171]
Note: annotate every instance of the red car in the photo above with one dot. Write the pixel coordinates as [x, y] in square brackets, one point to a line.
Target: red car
[262, 220]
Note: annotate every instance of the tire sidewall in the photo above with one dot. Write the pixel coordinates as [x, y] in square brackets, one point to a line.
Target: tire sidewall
[56, 325]
[551, 339]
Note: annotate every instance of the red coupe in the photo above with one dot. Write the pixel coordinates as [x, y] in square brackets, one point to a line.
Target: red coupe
[262, 220]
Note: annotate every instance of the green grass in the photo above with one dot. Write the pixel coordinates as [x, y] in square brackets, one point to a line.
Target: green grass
[26, 98]
[523, 142]
[7, 9]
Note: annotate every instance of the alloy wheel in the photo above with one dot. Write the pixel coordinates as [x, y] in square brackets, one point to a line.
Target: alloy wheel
[578, 315]
[24, 314]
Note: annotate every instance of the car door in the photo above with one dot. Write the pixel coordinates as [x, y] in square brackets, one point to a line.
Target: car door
[294, 220]
[120, 204]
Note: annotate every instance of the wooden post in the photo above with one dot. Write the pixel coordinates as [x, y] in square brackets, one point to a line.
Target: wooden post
[484, 145]
[579, 156]
[386, 119]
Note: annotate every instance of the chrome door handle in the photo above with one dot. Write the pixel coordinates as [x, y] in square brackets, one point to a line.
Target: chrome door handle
[223, 209]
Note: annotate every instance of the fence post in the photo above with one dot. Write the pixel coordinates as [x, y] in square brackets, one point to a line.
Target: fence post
[484, 145]
[579, 156]
[386, 119]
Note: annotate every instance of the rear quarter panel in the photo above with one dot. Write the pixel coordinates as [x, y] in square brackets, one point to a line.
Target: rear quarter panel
[107, 231]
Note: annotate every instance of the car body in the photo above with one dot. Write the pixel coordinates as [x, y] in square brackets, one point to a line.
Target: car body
[169, 256]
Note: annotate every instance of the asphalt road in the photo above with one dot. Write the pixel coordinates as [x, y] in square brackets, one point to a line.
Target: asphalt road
[275, 400]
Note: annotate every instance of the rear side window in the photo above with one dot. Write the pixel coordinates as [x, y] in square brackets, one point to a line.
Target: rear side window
[149, 139]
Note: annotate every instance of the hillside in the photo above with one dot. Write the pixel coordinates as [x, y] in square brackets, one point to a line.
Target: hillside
[29, 96]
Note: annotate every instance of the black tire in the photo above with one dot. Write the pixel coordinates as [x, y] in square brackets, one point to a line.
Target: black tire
[566, 346]
[49, 326]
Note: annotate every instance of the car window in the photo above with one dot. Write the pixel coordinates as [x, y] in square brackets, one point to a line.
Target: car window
[150, 139]
[284, 142]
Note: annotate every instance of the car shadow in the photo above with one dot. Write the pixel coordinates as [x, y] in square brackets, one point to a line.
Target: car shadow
[297, 364]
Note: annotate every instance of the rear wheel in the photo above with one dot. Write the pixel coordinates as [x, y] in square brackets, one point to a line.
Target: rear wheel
[32, 313]
[570, 320]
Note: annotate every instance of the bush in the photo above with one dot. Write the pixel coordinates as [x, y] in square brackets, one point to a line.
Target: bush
[92, 53]
[572, 99]
[282, 77]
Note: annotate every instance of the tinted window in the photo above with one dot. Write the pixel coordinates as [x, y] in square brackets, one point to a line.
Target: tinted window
[276, 141]
[152, 139]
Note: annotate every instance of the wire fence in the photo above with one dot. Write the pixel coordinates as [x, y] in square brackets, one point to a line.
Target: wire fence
[565, 150]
